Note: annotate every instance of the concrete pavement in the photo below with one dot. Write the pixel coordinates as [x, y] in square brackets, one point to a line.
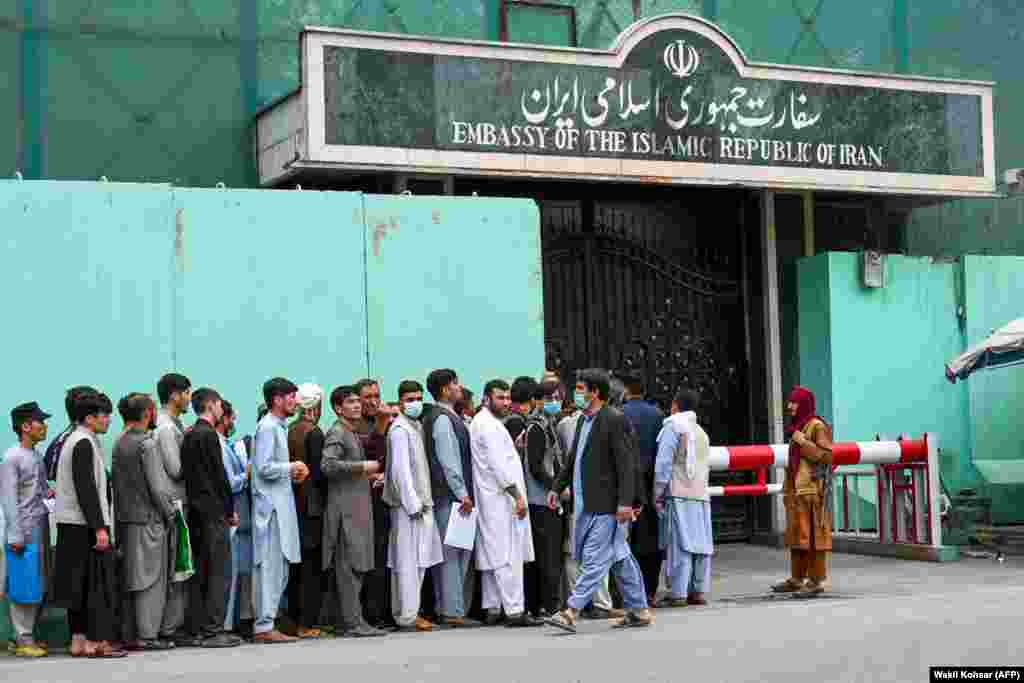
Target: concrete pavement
[887, 620]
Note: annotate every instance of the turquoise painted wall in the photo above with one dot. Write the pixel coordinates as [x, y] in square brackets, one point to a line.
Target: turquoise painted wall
[883, 367]
[814, 331]
[126, 282]
[120, 283]
[453, 282]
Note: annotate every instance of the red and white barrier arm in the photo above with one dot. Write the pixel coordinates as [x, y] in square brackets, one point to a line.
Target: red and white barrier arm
[732, 458]
[745, 490]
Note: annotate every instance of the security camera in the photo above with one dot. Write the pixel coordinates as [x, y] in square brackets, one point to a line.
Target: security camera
[1013, 176]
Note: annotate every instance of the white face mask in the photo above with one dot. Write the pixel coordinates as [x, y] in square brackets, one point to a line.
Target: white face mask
[413, 409]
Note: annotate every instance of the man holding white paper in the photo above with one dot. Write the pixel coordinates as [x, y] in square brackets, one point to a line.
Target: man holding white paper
[504, 540]
[446, 438]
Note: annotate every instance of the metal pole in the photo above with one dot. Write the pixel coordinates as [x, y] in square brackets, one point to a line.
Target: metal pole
[32, 111]
[808, 205]
[773, 345]
[934, 491]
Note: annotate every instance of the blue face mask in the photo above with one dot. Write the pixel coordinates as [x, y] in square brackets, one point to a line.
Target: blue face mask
[580, 399]
[413, 409]
[552, 407]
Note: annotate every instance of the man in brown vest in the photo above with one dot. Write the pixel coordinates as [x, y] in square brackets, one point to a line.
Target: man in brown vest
[306, 444]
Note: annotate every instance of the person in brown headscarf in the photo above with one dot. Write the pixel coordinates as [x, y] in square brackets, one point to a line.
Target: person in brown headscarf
[807, 494]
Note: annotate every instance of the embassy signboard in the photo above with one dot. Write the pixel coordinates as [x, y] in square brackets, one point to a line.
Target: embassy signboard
[673, 101]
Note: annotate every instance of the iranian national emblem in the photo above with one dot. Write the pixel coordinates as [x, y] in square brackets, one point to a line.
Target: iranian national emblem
[681, 59]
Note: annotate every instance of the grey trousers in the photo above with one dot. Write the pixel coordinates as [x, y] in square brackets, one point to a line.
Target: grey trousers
[450, 576]
[176, 603]
[149, 606]
[350, 584]
[24, 617]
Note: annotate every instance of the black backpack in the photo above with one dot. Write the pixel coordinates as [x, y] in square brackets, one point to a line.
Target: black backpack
[553, 456]
[52, 455]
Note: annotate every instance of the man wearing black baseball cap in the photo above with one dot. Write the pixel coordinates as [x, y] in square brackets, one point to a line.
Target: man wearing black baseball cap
[23, 490]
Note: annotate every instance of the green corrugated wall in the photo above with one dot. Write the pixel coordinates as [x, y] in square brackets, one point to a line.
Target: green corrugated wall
[167, 91]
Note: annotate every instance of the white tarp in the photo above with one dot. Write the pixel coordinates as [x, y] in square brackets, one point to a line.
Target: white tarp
[1004, 347]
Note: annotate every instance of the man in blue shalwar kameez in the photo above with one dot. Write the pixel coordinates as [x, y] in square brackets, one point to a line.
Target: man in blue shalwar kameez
[601, 469]
[275, 525]
[681, 495]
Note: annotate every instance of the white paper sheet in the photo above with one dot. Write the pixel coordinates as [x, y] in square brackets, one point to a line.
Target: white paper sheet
[461, 531]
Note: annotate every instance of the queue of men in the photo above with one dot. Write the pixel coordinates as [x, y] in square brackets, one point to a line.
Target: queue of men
[293, 531]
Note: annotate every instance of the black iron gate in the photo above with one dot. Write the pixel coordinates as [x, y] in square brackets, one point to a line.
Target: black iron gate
[653, 289]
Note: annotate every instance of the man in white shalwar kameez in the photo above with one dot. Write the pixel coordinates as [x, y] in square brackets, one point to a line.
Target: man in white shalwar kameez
[415, 544]
[504, 542]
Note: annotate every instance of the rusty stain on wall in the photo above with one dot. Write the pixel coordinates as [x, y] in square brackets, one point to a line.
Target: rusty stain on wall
[380, 231]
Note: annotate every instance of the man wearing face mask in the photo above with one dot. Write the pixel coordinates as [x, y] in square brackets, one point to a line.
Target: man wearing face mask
[603, 478]
[601, 604]
[543, 462]
[415, 544]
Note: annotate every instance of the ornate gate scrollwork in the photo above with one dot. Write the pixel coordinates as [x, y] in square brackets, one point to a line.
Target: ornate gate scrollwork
[640, 289]
[641, 292]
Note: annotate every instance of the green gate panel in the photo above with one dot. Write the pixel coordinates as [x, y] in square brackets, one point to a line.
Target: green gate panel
[453, 282]
[991, 300]
[270, 283]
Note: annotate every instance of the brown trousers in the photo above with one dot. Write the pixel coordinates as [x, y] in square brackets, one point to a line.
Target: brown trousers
[811, 562]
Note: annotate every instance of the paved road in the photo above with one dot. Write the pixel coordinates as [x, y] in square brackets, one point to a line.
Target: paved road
[877, 627]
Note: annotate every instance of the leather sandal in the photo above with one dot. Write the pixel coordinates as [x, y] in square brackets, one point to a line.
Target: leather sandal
[790, 585]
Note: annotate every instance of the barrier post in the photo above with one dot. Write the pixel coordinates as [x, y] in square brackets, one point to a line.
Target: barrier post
[934, 520]
[908, 520]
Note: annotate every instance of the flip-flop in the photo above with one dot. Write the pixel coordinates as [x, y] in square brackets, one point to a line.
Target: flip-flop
[107, 654]
[560, 623]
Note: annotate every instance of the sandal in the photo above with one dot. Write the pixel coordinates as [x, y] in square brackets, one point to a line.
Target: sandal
[107, 653]
[104, 651]
[790, 585]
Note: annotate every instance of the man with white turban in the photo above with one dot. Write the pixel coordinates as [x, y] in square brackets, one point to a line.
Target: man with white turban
[306, 445]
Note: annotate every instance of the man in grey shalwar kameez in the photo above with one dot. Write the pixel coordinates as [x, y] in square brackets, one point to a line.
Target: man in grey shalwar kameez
[681, 494]
[175, 394]
[348, 545]
[143, 513]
